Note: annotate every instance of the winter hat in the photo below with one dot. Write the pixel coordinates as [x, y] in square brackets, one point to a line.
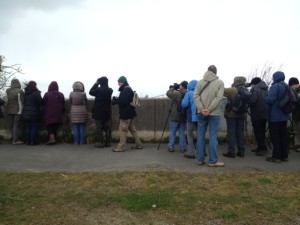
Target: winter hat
[213, 69]
[184, 84]
[254, 81]
[293, 80]
[102, 80]
[239, 81]
[122, 79]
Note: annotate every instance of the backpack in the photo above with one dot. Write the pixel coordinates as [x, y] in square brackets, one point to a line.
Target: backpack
[136, 102]
[289, 100]
[241, 101]
[180, 109]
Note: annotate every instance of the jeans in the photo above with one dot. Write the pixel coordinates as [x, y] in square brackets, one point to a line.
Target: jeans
[279, 137]
[31, 132]
[181, 127]
[213, 123]
[235, 134]
[259, 129]
[78, 133]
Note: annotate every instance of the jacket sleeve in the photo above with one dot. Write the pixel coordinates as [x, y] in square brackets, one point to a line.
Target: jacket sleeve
[217, 100]
[185, 101]
[93, 90]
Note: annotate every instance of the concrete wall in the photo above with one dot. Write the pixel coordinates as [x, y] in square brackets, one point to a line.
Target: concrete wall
[151, 121]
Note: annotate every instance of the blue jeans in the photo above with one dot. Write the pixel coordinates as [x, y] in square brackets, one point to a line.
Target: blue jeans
[31, 132]
[78, 133]
[181, 127]
[213, 123]
[235, 134]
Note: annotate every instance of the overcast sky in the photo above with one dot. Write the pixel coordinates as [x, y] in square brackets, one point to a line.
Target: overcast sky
[154, 43]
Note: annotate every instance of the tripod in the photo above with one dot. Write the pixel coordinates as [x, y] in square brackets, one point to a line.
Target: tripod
[166, 123]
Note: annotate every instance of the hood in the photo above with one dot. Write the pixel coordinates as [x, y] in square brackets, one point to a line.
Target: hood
[239, 81]
[191, 85]
[278, 76]
[53, 86]
[209, 76]
[78, 86]
[262, 85]
[15, 83]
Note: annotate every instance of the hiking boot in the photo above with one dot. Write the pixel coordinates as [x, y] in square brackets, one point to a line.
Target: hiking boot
[170, 149]
[137, 147]
[240, 154]
[272, 159]
[189, 156]
[217, 164]
[116, 149]
[261, 153]
[229, 154]
[200, 163]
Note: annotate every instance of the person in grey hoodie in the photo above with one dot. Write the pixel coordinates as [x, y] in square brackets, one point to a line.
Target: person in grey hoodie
[15, 101]
[258, 113]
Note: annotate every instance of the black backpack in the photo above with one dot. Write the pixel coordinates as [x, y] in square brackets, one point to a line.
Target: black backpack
[287, 103]
[241, 101]
[180, 109]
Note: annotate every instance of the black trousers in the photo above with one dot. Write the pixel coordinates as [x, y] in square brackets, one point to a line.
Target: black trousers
[259, 129]
[279, 137]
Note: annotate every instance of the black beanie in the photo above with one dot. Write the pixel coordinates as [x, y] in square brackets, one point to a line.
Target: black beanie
[255, 80]
[293, 80]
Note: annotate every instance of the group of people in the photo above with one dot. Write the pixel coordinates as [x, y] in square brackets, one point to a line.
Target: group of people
[29, 107]
[203, 100]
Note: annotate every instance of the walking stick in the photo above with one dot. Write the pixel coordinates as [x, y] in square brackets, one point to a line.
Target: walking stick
[165, 126]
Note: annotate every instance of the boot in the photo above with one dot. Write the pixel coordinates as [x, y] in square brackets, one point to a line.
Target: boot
[51, 140]
[107, 138]
[100, 143]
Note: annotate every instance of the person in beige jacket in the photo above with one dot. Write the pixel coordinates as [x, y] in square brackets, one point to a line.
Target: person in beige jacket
[208, 96]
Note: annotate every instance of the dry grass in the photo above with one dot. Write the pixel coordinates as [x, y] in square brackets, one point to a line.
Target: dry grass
[149, 198]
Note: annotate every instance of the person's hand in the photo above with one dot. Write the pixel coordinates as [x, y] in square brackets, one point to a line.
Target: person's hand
[205, 112]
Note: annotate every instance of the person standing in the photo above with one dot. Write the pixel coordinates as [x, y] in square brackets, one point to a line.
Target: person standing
[294, 83]
[192, 119]
[101, 111]
[127, 115]
[177, 121]
[78, 113]
[258, 114]
[208, 96]
[2, 102]
[15, 101]
[277, 119]
[31, 113]
[235, 120]
[54, 108]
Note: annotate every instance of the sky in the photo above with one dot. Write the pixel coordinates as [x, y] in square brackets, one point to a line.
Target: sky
[154, 43]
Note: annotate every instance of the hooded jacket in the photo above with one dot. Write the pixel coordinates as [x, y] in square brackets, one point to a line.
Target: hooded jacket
[211, 97]
[15, 98]
[102, 104]
[238, 84]
[188, 102]
[54, 105]
[32, 104]
[176, 98]
[258, 106]
[276, 91]
[79, 104]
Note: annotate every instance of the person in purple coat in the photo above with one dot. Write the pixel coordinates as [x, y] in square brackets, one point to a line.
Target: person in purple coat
[54, 108]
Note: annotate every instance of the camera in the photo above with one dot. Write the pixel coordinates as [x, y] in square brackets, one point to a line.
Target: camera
[175, 86]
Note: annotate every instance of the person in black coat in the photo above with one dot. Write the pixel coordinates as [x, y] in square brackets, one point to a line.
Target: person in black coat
[101, 111]
[31, 112]
[127, 115]
[2, 102]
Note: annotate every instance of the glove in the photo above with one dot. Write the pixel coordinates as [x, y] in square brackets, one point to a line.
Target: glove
[114, 100]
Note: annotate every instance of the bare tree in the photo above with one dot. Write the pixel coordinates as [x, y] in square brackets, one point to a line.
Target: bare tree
[7, 73]
[265, 73]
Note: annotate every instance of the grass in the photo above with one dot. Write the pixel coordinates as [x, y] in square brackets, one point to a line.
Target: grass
[149, 198]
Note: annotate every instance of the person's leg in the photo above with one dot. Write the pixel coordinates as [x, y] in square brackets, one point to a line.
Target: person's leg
[201, 130]
[296, 126]
[28, 132]
[16, 120]
[240, 136]
[172, 139]
[82, 128]
[231, 138]
[283, 140]
[190, 138]
[123, 129]
[33, 132]
[213, 123]
[274, 130]
[133, 131]
[75, 128]
[182, 140]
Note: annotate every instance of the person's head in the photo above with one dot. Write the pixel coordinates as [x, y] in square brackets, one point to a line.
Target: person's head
[183, 85]
[31, 85]
[103, 81]
[53, 86]
[294, 82]
[212, 68]
[78, 86]
[15, 83]
[122, 80]
[239, 81]
[278, 76]
[254, 81]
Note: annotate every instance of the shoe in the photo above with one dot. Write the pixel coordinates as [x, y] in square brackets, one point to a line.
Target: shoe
[170, 149]
[217, 164]
[51, 143]
[18, 143]
[137, 147]
[189, 156]
[261, 153]
[271, 159]
[200, 163]
[182, 150]
[255, 150]
[297, 150]
[99, 145]
[240, 154]
[285, 159]
[116, 149]
[228, 154]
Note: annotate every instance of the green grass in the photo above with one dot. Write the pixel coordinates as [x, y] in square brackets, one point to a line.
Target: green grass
[149, 198]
